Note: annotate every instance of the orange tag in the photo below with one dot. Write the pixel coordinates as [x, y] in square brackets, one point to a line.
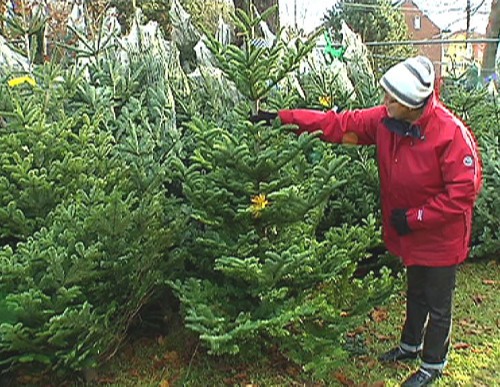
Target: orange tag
[350, 138]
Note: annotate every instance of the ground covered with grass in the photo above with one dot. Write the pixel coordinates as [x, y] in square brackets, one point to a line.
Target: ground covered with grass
[177, 359]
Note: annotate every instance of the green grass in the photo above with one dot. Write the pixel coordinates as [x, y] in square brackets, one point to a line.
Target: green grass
[178, 360]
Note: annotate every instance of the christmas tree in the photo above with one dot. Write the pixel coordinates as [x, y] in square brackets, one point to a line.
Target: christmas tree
[89, 217]
[256, 276]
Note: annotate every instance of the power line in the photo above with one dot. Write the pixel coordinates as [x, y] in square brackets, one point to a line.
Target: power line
[428, 42]
[376, 6]
[401, 58]
[471, 14]
[433, 41]
[419, 10]
[409, 9]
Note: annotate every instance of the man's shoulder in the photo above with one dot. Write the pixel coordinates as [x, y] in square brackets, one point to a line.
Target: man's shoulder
[446, 121]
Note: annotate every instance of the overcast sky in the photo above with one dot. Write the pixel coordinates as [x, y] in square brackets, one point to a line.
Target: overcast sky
[309, 13]
[445, 13]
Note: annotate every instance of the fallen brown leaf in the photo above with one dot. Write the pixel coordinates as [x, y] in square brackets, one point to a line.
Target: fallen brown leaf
[164, 383]
[378, 384]
[160, 340]
[372, 363]
[460, 346]
[106, 380]
[241, 376]
[489, 282]
[344, 380]
[478, 299]
[383, 337]
[356, 332]
[476, 332]
[293, 371]
[466, 323]
[379, 315]
[134, 373]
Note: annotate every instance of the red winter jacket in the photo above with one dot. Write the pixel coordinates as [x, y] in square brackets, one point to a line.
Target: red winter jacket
[437, 177]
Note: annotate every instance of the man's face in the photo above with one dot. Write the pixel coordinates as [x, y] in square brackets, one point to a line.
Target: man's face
[395, 109]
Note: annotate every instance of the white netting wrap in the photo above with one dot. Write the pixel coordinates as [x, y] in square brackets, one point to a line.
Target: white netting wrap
[356, 56]
[184, 32]
[145, 45]
[9, 59]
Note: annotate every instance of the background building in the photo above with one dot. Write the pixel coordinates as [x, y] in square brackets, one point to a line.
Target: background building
[421, 27]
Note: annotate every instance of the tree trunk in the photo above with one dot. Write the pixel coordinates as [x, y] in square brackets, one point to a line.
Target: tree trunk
[492, 31]
[261, 6]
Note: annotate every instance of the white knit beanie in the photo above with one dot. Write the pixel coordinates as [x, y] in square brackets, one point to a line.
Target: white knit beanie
[410, 82]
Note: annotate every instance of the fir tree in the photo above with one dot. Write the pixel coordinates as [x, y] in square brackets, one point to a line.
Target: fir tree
[89, 221]
[374, 21]
[481, 112]
[257, 276]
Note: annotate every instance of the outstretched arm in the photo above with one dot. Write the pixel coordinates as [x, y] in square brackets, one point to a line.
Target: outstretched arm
[348, 127]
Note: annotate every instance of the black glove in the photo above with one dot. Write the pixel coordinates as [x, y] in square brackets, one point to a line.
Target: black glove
[267, 117]
[400, 222]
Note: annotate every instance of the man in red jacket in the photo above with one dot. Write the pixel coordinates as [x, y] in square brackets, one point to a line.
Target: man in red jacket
[430, 176]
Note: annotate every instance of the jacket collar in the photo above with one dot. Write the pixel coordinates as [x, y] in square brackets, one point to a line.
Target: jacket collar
[417, 128]
[402, 128]
[430, 106]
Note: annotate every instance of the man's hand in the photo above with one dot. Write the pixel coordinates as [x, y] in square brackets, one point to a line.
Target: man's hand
[263, 116]
[400, 222]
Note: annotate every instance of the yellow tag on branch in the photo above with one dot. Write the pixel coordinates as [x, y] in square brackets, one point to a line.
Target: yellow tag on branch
[325, 101]
[20, 80]
[259, 202]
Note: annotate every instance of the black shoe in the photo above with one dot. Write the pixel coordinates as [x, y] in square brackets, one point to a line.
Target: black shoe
[423, 377]
[397, 354]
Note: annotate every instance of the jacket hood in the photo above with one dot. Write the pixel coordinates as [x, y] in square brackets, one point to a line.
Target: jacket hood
[428, 112]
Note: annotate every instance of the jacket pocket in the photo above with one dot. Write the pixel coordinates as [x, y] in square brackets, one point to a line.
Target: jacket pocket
[454, 235]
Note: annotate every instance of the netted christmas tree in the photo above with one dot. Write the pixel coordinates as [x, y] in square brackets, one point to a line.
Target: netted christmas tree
[481, 112]
[88, 210]
[256, 276]
[345, 81]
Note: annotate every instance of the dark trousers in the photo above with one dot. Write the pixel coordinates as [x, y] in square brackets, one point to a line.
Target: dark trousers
[428, 312]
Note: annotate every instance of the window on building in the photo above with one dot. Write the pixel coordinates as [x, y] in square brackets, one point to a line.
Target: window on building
[417, 22]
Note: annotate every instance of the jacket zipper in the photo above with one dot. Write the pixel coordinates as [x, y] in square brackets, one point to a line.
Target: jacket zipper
[394, 157]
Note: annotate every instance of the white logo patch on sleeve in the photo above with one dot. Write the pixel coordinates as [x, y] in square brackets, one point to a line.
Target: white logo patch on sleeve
[468, 161]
